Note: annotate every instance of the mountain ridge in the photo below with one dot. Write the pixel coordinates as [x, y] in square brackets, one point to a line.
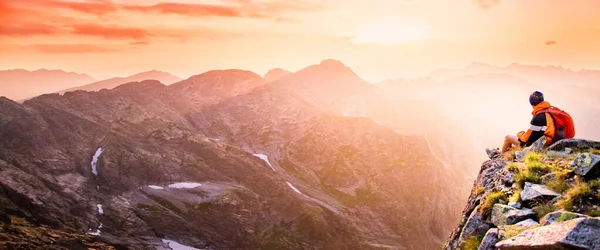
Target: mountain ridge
[265, 167]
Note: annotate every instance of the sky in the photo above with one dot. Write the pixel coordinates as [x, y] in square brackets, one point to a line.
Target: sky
[376, 38]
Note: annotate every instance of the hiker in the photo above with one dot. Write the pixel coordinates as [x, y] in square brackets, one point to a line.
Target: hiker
[549, 121]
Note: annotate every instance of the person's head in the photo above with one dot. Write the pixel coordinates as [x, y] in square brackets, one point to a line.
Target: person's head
[536, 98]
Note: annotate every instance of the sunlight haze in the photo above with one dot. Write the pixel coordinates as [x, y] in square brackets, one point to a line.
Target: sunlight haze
[378, 39]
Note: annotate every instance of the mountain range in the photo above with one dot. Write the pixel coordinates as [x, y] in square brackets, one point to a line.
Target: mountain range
[223, 160]
[228, 159]
[160, 76]
[19, 83]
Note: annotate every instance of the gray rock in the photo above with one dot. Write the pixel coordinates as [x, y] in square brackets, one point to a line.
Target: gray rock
[528, 223]
[559, 216]
[507, 215]
[509, 178]
[581, 233]
[552, 153]
[475, 225]
[489, 240]
[587, 165]
[539, 144]
[574, 143]
[520, 155]
[548, 177]
[516, 205]
[537, 192]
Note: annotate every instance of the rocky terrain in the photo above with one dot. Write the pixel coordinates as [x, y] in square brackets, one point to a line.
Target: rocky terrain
[222, 160]
[535, 198]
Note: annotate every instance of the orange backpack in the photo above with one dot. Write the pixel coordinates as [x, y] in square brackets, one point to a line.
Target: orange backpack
[563, 123]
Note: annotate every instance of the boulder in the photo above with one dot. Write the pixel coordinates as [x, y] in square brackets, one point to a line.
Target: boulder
[507, 215]
[559, 216]
[581, 233]
[489, 240]
[536, 192]
[516, 205]
[573, 143]
[475, 225]
[520, 155]
[563, 153]
[586, 165]
[528, 223]
[538, 144]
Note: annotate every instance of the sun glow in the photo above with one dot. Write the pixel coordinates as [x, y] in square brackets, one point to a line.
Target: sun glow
[387, 32]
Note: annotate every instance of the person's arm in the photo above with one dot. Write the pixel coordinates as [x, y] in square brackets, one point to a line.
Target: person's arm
[536, 130]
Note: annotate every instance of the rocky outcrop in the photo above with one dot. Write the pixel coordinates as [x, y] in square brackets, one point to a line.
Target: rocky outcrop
[579, 233]
[559, 216]
[552, 199]
[489, 240]
[587, 165]
[505, 215]
[535, 192]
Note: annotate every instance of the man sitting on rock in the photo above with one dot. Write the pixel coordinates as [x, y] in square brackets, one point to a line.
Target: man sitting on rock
[548, 121]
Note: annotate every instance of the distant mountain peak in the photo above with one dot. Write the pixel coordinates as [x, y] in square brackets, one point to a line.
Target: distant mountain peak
[276, 74]
[333, 64]
[328, 66]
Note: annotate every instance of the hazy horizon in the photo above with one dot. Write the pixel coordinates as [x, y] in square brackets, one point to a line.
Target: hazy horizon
[379, 40]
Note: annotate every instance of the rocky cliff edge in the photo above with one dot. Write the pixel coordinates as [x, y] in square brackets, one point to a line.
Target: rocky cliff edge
[535, 198]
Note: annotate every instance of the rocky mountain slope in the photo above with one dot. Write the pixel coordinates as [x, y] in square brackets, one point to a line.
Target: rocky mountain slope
[223, 160]
[537, 198]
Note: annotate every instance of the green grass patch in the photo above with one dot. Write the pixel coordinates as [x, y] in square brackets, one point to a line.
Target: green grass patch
[575, 194]
[544, 209]
[510, 231]
[513, 167]
[515, 197]
[566, 217]
[473, 242]
[533, 157]
[559, 183]
[490, 200]
[479, 190]
[593, 213]
[527, 176]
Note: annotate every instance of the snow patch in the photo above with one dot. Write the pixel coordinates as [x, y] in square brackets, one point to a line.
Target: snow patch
[155, 187]
[293, 188]
[97, 232]
[265, 158]
[100, 210]
[185, 185]
[313, 199]
[174, 245]
[95, 160]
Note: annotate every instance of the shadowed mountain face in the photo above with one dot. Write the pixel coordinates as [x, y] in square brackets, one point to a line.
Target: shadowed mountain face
[19, 84]
[225, 160]
[162, 77]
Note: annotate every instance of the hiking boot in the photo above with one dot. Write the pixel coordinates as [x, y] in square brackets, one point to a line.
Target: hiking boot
[493, 152]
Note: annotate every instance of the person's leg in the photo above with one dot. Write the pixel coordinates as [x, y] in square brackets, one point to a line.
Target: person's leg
[509, 142]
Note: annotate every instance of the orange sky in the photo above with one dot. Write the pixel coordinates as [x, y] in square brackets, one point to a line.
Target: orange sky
[377, 38]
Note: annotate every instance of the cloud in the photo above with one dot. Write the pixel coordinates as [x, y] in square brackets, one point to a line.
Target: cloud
[139, 43]
[109, 32]
[70, 48]
[27, 29]
[197, 10]
[486, 4]
[550, 42]
[96, 7]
